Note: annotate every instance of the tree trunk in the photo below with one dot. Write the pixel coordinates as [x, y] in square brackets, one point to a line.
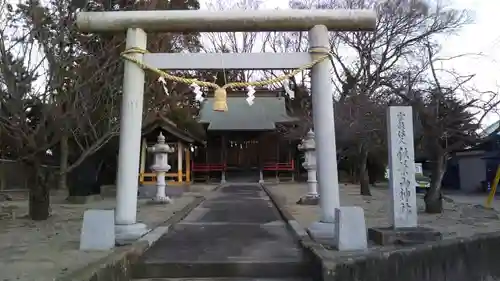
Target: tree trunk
[434, 198]
[63, 162]
[352, 173]
[355, 171]
[372, 173]
[3, 179]
[39, 197]
[363, 172]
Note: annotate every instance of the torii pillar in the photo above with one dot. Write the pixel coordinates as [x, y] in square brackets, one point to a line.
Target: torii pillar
[136, 23]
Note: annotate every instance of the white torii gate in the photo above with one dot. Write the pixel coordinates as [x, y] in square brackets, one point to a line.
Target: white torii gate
[137, 23]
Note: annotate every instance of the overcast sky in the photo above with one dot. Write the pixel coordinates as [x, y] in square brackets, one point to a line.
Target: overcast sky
[481, 37]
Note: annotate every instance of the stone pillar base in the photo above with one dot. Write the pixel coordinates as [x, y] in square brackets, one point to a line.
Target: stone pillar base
[403, 236]
[322, 232]
[128, 233]
[351, 229]
[309, 199]
[160, 200]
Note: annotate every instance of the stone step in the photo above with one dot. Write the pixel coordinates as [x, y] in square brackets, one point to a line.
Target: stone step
[227, 238]
[231, 270]
[226, 250]
[225, 279]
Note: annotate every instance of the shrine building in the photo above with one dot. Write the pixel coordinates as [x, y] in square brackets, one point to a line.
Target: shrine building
[243, 143]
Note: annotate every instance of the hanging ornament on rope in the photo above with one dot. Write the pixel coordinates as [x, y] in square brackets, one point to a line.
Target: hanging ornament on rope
[198, 93]
[163, 82]
[250, 94]
[220, 100]
[288, 89]
[220, 95]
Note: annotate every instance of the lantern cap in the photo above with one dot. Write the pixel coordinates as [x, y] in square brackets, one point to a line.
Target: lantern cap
[310, 134]
[161, 138]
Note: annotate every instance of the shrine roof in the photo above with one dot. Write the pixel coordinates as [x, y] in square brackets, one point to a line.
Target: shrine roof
[156, 120]
[261, 116]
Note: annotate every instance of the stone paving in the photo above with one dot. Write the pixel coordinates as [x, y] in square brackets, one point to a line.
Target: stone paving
[237, 232]
[460, 218]
[43, 250]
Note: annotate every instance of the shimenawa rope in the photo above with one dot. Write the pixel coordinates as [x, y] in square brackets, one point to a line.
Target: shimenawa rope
[220, 95]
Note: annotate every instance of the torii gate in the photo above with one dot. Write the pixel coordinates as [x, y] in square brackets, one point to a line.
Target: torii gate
[136, 23]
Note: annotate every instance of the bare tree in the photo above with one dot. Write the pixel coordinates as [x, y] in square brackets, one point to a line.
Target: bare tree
[449, 112]
[79, 79]
[83, 72]
[29, 122]
[286, 42]
[360, 126]
[48, 95]
[233, 42]
[364, 61]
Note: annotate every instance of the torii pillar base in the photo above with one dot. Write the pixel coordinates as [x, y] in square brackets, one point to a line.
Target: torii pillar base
[128, 233]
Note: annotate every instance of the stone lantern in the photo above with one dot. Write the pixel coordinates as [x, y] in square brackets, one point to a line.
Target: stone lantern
[161, 166]
[308, 146]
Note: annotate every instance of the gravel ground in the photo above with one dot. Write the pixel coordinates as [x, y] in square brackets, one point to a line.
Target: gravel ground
[43, 250]
[460, 218]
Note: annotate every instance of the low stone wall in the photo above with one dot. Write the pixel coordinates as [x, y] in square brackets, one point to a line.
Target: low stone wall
[475, 258]
[468, 259]
[115, 267]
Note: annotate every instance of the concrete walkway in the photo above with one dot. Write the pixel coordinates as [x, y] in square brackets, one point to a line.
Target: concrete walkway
[236, 233]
